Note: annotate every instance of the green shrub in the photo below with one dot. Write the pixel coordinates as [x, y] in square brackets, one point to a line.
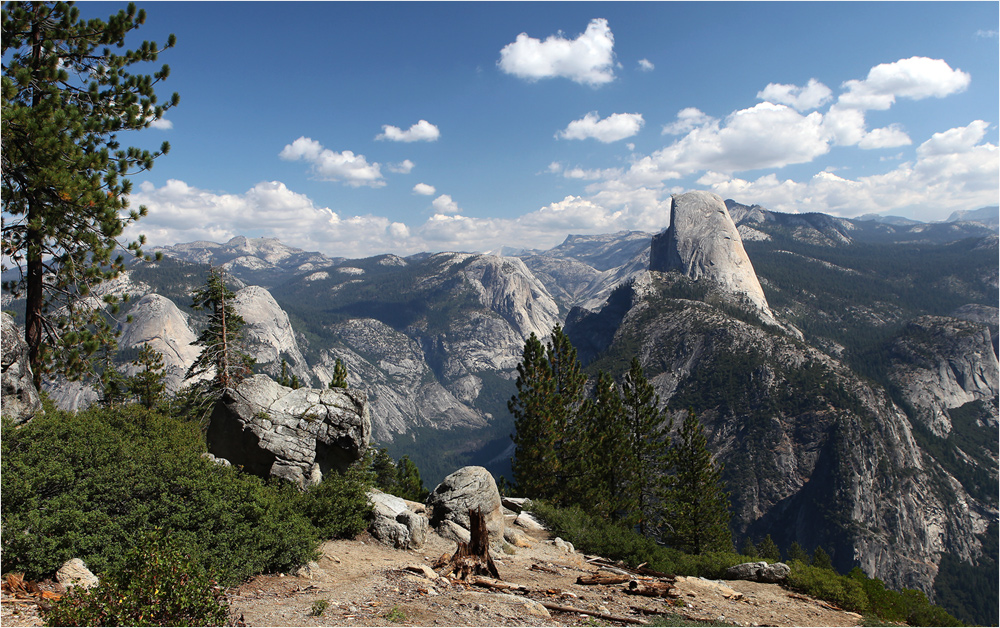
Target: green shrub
[826, 584]
[88, 484]
[157, 585]
[338, 506]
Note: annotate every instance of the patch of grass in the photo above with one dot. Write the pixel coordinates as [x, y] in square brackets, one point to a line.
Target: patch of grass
[396, 614]
[319, 607]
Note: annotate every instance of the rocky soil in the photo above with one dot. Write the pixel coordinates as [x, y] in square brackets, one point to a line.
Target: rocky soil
[364, 583]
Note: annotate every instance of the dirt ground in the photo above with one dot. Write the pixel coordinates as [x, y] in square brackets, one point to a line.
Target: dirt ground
[364, 583]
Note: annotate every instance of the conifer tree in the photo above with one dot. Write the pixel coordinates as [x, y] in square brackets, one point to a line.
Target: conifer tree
[696, 505]
[222, 355]
[65, 98]
[568, 395]
[535, 465]
[768, 549]
[644, 464]
[148, 383]
[795, 552]
[114, 385]
[339, 379]
[283, 378]
[603, 465]
[408, 480]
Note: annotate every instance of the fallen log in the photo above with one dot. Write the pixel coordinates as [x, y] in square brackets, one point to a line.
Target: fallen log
[537, 567]
[496, 585]
[602, 579]
[607, 616]
[651, 589]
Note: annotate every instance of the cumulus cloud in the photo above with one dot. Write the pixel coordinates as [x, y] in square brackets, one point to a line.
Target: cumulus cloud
[954, 169]
[588, 59]
[764, 136]
[424, 190]
[161, 124]
[646, 65]
[403, 167]
[617, 126]
[915, 78]
[422, 131]
[891, 136]
[445, 205]
[688, 119]
[328, 165]
[805, 98]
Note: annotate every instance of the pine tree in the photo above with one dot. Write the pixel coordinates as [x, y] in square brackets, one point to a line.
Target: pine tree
[644, 464]
[602, 466]
[535, 465]
[66, 97]
[283, 378]
[408, 480]
[114, 385]
[222, 356]
[795, 552]
[148, 383]
[748, 548]
[339, 375]
[768, 550]
[568, 395]
[821, 559]
[384, 469]
[696, 506]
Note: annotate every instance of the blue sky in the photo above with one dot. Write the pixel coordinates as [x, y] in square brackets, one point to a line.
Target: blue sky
[364, 128]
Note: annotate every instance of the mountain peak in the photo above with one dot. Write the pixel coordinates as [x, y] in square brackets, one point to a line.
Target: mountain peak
[702, 242]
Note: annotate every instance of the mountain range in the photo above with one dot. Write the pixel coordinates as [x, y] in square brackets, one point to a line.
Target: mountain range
[853, 400]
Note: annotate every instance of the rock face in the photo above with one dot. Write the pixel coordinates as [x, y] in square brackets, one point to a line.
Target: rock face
[395, 523]
[158, 322]
[297, 435]
[469, 488]
[702, 241]
[268, 334]
[796, 428]
[74, 573]
[20, 397]
[942, 363]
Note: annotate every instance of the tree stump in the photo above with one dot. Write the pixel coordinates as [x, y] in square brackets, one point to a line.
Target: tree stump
[473, 558]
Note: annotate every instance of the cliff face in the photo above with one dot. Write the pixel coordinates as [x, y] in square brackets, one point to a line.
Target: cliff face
[702, 242]
[812, 453]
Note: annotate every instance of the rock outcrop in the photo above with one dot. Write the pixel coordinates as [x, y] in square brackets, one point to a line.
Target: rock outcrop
[942, 363]
[759, 572]
[702, 242]
[159, 323]
[20, 398]
[469, 488]
[297, 435]
[395, 522]
[268, 334]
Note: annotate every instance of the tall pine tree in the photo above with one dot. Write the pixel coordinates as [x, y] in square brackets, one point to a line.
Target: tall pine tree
[535, 465]
[222, 358]
[645, 461]
[696, 505]
[65, 97]
[604, 470]
[568, 394]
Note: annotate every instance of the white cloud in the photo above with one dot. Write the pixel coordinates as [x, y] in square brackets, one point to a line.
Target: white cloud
[161, 124]
[617, 126]
[891, 136]
[403, 167]
[986, 34]
[953, 170]
[422, 131]
[915, 78]
[445, 205]
[688, 119]
[588, 59]
[763, 136]
[646, 65]
[424, 190]
[354, 170]
[811, 96]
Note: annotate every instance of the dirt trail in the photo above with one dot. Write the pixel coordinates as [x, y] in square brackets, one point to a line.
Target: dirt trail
[364, 583]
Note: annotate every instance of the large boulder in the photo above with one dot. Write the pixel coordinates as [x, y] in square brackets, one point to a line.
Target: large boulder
[759, 572]
[469, 488]
[395, 523]
[298, 435]
[20, 398]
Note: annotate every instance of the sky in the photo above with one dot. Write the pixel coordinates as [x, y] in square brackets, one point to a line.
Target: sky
[357, 129]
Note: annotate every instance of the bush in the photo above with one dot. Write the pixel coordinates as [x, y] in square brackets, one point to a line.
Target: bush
[338, 507]
[157, 585]
[826, 584]
[89, 484]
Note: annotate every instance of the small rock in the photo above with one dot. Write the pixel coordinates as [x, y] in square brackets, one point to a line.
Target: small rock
[74, 573]
[534, 608]
[565, 546]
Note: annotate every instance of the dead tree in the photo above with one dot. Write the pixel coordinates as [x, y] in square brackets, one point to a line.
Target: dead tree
[473, 558]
